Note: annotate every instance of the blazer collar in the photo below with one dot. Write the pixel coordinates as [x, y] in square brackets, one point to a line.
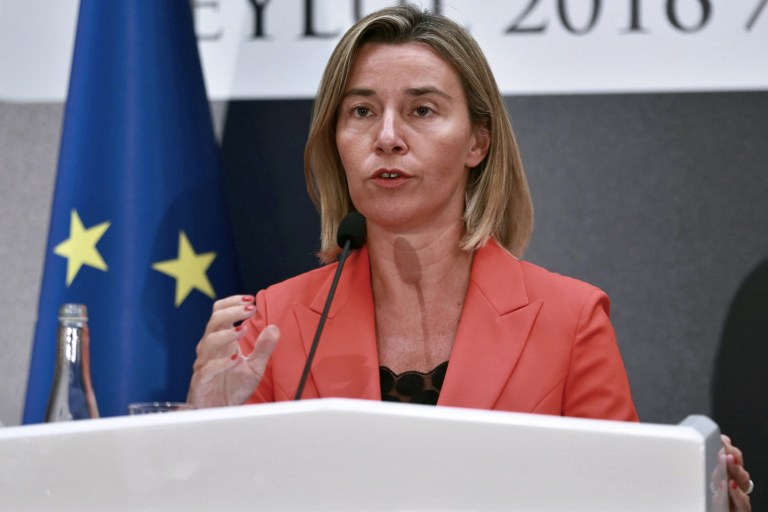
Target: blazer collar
[346, 362]
[492, 332]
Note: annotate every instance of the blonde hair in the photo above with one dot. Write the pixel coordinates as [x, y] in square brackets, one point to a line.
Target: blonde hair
[497, 200]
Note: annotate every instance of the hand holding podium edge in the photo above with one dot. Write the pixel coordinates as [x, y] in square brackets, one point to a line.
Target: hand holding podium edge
[739, 483]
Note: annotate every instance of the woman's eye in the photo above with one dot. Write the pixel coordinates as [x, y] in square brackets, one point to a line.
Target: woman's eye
[361, 111]
[423, 111]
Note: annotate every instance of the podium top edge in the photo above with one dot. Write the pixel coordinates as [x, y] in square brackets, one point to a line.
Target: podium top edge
[345, 406]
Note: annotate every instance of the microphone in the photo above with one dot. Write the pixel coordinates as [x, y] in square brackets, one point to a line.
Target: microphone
[352, 230]
[350, 236]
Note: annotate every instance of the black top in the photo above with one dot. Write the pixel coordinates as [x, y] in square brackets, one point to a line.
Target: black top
[412, 387]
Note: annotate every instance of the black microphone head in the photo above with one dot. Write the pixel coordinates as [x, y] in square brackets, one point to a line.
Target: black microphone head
[352, 228]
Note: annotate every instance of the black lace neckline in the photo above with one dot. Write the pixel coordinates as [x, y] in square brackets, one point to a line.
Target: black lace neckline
[412, 386]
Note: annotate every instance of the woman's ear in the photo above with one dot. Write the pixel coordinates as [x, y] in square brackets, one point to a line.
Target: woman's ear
[479, 148]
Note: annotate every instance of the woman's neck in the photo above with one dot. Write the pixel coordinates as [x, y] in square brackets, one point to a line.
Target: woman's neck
[419, 283]
[425, 261]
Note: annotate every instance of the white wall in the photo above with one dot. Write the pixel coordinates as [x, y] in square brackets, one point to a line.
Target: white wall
[29, 142]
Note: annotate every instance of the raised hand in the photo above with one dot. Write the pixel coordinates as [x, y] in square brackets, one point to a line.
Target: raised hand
[222, 374]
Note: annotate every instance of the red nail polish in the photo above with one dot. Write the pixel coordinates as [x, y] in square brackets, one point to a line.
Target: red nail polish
[734, 485]
[248, 298]
[234, 356]
[239, 328]
[250, 307]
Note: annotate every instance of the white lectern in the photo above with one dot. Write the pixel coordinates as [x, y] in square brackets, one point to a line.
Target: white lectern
[355, 455]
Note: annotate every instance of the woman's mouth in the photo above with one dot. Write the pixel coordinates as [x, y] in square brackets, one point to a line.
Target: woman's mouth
[390, 178]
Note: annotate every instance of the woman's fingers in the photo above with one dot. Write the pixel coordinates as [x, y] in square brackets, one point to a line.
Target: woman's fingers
[228, 311]
[212, 370]
[221, 335]
[739, 499]
[226, 377]
[206, 389]
[239, 376]
[738, 477]
[263, 348]
[732, 450]
[220, 342]
[735, 461]
[216, 376]
[737, 474]
[232, 300]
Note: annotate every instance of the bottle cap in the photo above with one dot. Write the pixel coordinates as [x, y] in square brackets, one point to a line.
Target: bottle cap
[76, 312]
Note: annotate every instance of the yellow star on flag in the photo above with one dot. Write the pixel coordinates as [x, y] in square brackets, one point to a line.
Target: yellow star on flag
[189, 270]
[80, 247]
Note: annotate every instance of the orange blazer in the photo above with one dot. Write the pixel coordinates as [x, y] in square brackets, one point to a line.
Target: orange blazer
[528, 341]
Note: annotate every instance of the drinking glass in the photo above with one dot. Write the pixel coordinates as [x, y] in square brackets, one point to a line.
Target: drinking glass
[157, 407]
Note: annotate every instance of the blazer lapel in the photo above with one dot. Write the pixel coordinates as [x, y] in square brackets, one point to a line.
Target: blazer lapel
[492, 333]
[346, 360]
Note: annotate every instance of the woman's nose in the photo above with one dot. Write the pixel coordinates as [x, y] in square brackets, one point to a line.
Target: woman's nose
[389, 138]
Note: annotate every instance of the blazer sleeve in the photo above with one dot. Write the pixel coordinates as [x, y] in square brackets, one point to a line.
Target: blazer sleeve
[596, 385]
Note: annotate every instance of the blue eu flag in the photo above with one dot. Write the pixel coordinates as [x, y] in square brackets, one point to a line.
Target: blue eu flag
[139, 232]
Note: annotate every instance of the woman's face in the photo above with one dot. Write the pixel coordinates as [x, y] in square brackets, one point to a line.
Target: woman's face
[405, 138]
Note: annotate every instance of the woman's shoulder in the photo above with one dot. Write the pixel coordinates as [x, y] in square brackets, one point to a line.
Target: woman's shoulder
[539, 278]
[563, 293]
[543, 283]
